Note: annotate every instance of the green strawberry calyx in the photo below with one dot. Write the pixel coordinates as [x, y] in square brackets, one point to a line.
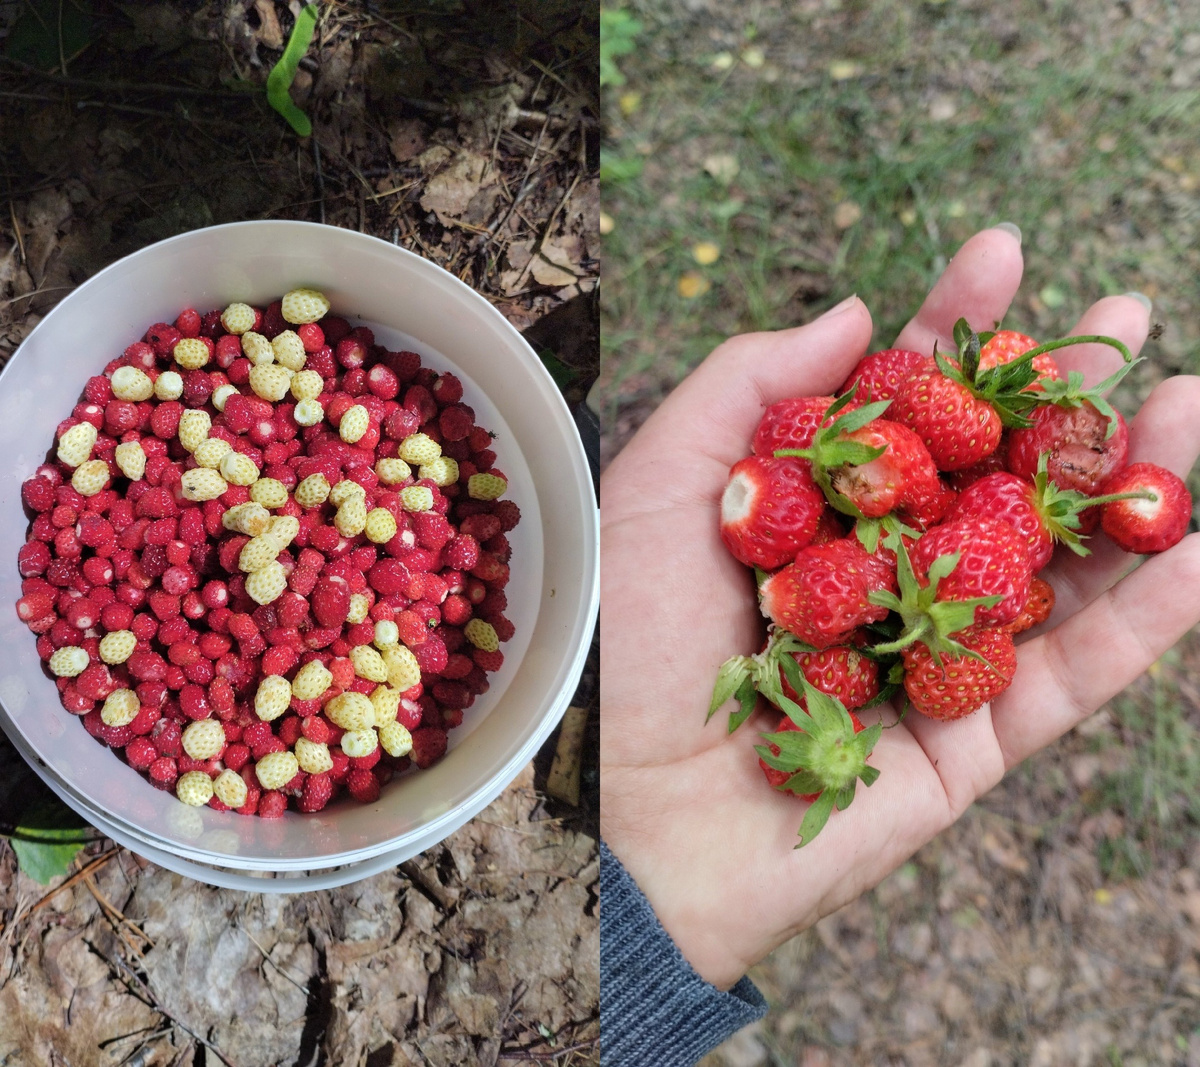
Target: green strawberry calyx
[830, 450]
[923, 616]
[1059, 508]
[1006, 386]
[824, 755]
[1070, 393]
[745, 677]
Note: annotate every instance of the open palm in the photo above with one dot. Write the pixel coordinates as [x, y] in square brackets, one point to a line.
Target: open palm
[685, 807]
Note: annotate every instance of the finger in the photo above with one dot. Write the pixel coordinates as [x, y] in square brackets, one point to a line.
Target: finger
[978, 284]
[1165, 431]
[1124, 317]
[715, 410]
[1070, 671]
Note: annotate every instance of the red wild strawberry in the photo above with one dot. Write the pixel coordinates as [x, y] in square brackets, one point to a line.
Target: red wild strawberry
[962, 683]
[1081, 449]
[993, 560]
[958, 428]
[792, 423]
[903, 474]
[769, 510]
[1007, 345]
[879, 375]
[822, 596]
[1037, 608]
[1154, 520]
[841, 671]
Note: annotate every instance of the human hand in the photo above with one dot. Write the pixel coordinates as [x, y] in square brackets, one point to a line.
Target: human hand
[685, 808]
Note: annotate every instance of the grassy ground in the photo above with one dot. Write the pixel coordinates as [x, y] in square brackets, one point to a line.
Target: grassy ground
[765, 160]
[825, 148]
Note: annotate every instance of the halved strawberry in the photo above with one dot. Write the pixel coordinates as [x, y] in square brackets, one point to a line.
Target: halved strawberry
[770, 510]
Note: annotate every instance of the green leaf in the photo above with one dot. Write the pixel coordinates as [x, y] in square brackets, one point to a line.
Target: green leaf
[845, 796]
[279, 81]
[802, 782]
[730, 678]
[870, 775]
[747, 697]
[615, 168]
[618, 32]
[47, 839]
[816, 817]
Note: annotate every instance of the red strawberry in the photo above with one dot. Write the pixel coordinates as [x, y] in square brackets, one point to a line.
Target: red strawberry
[1037, 608]
[792, 423]
[879, 375]
[775, 778]
[331, 601]
[1141, 524]
[1081, 450]
[1007, 345]
[822, 596]
[769, 510]
[841, 671]
[993, 560]
[961, 684]
[958, 428]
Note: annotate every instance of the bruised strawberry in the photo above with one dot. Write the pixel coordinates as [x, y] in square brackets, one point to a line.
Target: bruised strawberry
[902, 475]
[770, 510]
[960, 684]
[1083, 445]
[1152, 522]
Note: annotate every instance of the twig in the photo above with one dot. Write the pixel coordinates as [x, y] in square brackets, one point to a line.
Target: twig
[156, 1004]
[117, 915]
[524, 1054]
[537, 248]
[496, 226]
[266, 956]
[78, 876]
[316, 148]
[127, 87]
[36, 292]
[12, 211]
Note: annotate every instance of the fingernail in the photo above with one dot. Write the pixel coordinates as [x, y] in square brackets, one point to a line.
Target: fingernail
[837, 309]
[1141, 298]
[1009, 228]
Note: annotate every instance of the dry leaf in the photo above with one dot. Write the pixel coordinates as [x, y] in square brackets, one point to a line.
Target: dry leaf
[406, 137]
[705, 252]
[693, 284]
[723, 168]
[269, 34]
[846, 214]
[450, 190]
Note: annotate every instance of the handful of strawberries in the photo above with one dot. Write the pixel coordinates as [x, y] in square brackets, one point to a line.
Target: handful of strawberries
[898, 530]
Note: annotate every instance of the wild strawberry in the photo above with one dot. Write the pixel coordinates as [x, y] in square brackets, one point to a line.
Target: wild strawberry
[1004, 346]
[960, 684]
[778, 779]
[429, 745]
[822, 597]
[769, 511]
[957, 427]
[792, 423]
[901, 475]
[880, 375]
[1153, 520]
[1037, 607]
[992, 561]
[841, 671]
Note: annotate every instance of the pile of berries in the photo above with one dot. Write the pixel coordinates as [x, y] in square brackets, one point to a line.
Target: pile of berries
[899, 531]
[267, 558]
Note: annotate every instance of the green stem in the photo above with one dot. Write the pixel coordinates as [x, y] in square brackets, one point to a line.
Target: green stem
[279, 81]
[1066, 342]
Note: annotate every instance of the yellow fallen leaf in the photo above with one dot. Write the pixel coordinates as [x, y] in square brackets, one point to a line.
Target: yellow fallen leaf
[705, 252]
[722, 61]
[607, 225]
[723, 168]
[629, 102]
[908, 217]
[693, 284]
[1103, 896]
[956, 209]
[753, 58]
[841, 69]
[846, 214]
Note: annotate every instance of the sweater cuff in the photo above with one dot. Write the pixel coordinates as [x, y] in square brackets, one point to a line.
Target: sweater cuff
[655, 1010]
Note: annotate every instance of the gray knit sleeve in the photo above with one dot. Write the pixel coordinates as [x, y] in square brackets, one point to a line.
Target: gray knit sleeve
[655, 1010]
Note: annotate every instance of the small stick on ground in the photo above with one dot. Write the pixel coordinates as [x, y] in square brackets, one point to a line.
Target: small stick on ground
[563, 779]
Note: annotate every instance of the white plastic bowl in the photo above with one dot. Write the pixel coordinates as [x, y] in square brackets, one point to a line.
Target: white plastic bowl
[553, 598]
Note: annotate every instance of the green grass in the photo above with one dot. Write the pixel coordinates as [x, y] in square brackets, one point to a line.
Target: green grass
[1060, 118]
[1157, 789]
